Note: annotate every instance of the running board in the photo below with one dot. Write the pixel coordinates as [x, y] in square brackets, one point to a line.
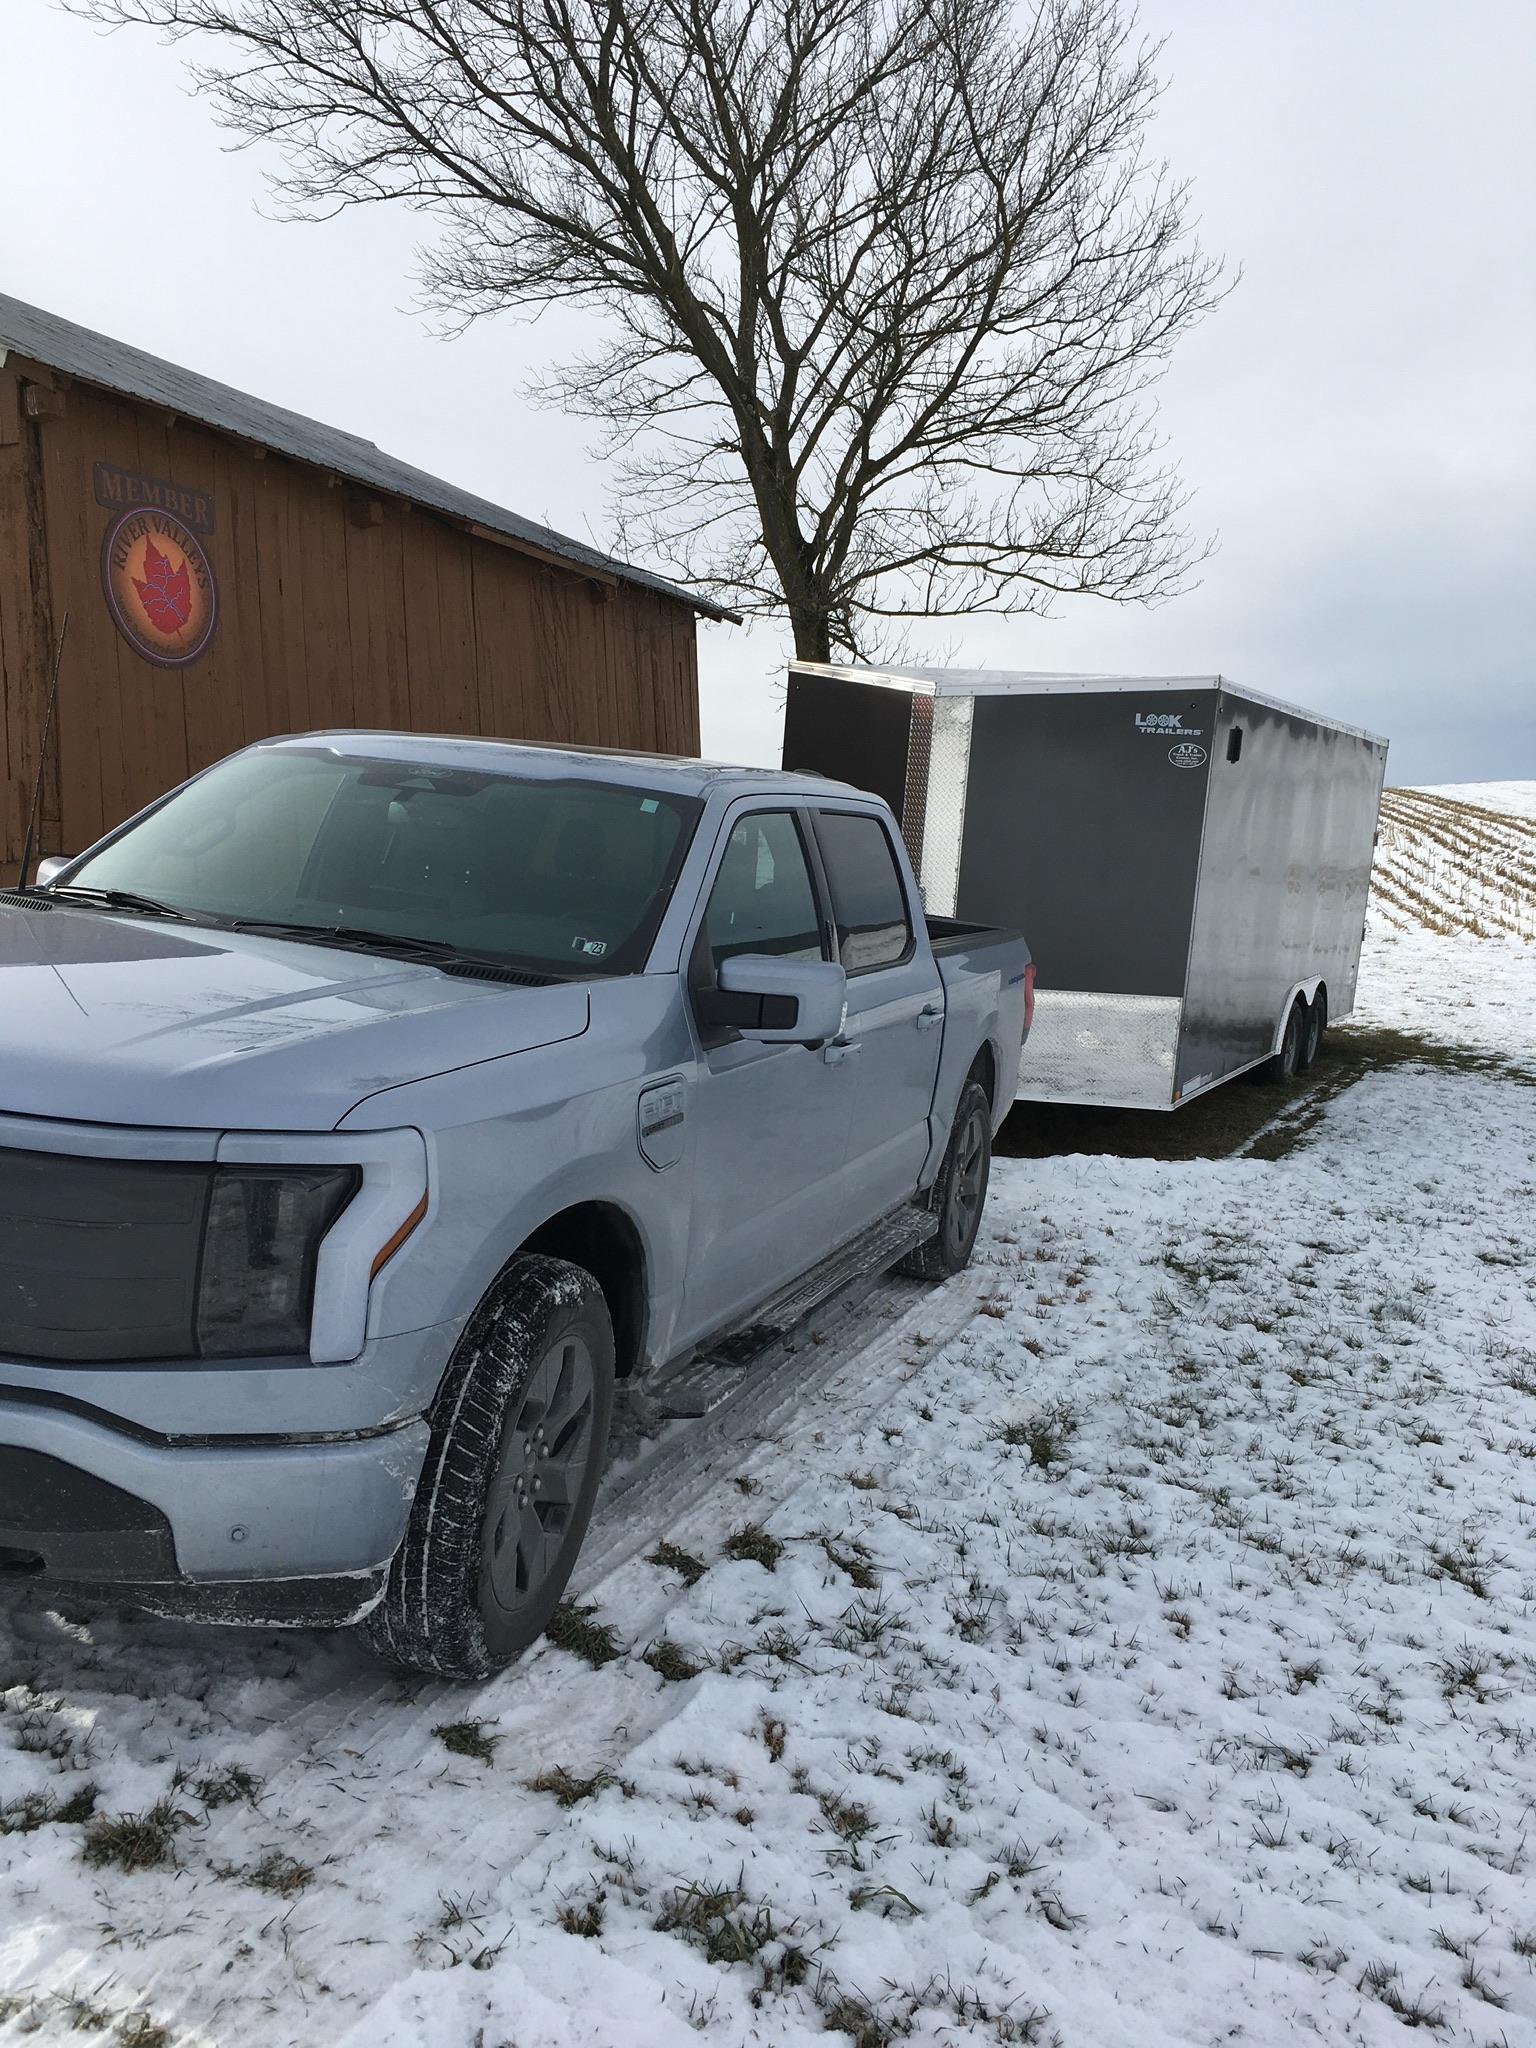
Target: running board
[714, 1373]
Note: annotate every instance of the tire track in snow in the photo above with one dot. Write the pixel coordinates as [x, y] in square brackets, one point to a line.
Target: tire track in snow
[358, 1739]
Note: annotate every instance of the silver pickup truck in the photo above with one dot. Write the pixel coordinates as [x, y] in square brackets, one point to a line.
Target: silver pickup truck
[372, 1105]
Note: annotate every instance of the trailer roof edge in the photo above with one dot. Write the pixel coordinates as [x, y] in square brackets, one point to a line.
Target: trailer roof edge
[992, 682]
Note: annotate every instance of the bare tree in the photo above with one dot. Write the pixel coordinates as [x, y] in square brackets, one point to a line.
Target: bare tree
[885, 281]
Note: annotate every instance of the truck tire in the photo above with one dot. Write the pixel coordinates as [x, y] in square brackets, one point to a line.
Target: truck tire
[520, 1427]
[960, 1192]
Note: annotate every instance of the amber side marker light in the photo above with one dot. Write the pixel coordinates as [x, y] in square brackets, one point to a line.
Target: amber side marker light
[388, 1249]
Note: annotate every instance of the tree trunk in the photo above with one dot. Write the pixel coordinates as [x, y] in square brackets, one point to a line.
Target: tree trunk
[813, 635]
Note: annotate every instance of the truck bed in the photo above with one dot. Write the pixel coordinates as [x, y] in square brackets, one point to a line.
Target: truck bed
[953, 934]
[982, 968]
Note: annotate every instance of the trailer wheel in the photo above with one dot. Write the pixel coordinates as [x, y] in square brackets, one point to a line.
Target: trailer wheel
[1312, 1031]
[960, 1192]
[520, 1429]
[1286, 1064]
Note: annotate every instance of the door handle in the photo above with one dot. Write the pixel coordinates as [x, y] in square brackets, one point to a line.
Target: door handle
[840, 1049]
[930, 1016]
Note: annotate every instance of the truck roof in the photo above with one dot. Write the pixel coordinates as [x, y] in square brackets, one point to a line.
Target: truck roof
[543, 759]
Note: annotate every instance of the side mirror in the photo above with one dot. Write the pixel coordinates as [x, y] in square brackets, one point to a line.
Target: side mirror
[778, 1002]
[50, 869]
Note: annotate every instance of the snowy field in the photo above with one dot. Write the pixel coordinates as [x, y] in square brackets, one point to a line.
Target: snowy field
[1517, 799]
[1458, 860]
[1130, 1643]
[1453, 916]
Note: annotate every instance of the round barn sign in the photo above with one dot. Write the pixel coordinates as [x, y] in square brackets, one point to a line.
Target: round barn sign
[159, 586]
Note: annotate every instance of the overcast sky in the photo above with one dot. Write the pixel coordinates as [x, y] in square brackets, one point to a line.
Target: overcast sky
[1358, 421]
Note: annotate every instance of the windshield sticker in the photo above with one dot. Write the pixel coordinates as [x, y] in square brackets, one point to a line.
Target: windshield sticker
[593, 948]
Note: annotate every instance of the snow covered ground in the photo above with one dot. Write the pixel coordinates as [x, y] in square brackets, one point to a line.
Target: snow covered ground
[1460, 990]
[1131, 1642]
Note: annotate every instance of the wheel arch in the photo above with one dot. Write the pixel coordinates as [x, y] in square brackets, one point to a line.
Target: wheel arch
[1301, 992]
[984, 1069]
[603, 1239]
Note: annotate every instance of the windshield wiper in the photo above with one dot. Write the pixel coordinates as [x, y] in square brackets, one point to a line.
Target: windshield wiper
[114, 899]
[360, 939]
[358, 936]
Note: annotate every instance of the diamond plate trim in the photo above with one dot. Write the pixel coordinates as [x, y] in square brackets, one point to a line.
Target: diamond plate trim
[914, 797]
[1117, 1052]
[949, 767]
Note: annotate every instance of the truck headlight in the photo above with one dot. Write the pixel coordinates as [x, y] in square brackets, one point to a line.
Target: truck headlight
[257, 1283]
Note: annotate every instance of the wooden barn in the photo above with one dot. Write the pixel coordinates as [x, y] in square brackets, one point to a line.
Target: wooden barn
[232, 570]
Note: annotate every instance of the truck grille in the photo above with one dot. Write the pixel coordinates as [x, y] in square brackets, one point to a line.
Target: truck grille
[99, 1257]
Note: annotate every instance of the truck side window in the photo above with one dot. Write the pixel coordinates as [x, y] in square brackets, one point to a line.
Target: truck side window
[763, 900]
[868, 901]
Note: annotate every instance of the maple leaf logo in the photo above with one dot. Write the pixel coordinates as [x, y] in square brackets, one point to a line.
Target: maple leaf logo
[164, 592]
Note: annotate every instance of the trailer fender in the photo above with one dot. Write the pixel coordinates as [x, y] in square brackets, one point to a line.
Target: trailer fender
[1307, 990]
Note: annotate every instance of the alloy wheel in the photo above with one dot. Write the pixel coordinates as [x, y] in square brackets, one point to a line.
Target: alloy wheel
[545, 1452]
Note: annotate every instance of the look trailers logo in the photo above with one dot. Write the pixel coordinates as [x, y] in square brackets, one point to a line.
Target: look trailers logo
[155, 573]
[1166, 724]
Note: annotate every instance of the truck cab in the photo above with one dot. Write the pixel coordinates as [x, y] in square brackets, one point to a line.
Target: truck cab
[373, 1106]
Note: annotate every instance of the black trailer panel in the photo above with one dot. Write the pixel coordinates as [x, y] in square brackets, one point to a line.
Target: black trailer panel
[841, 719]
[1076, 804]
[1184, 858]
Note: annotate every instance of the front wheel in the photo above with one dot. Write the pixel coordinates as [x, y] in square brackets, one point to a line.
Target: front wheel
[1287, 1062]
[520, 1431]
[960, 1192]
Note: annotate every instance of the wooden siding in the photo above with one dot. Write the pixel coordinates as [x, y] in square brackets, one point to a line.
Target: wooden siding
[334, 610]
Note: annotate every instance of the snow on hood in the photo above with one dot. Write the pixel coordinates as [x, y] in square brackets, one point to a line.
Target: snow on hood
[110, 1019]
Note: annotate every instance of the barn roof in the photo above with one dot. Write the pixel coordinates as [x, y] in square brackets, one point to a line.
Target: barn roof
[97, 359]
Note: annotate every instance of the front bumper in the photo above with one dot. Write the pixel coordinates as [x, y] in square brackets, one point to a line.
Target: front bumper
[83, 1502]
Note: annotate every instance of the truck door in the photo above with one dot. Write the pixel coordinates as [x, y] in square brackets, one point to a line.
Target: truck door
[895, 1012]
[770, 1121]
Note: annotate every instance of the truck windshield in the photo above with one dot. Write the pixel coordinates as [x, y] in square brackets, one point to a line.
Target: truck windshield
[560, 877]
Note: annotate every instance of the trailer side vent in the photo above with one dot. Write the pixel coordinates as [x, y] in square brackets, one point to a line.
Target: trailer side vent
[1235, 743]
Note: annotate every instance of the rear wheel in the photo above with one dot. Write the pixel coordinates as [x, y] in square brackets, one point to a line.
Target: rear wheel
[960, 1192]
[506, 1493]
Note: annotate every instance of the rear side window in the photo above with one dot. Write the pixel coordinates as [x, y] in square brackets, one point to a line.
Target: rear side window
[868, 901]
[763, 901]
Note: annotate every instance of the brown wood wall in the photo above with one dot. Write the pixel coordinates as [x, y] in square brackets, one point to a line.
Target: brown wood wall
[410, 623]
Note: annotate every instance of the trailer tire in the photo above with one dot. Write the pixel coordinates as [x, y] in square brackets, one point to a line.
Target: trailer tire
[524, 1409]
[960, 1192]
[1286, 1063]
[1312, 1030]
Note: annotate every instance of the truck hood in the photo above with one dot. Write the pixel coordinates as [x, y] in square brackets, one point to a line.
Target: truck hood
[124, 1020]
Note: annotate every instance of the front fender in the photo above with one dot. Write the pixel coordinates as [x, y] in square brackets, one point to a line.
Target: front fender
[514, 1142]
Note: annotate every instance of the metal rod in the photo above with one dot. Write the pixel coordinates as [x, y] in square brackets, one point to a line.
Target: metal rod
[42, 758]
